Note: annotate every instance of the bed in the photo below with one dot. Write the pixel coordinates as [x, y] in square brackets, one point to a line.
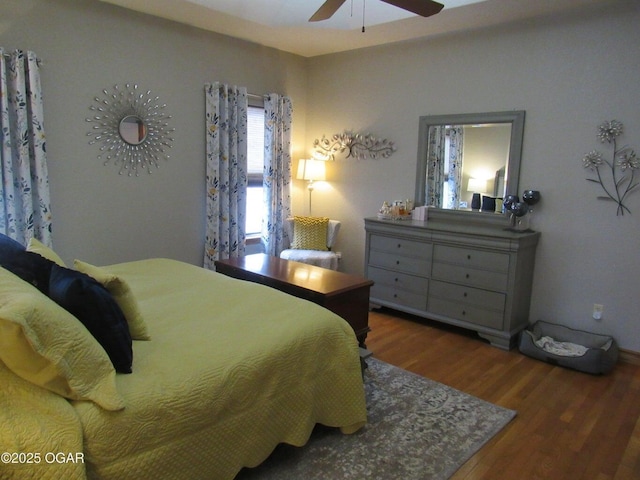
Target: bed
[228, 370]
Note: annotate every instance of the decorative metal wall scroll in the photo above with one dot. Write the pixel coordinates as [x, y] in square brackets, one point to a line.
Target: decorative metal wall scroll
[357, 146]
[131, 128]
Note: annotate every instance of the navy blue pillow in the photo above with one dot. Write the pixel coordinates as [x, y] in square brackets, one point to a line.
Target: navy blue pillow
[30, 267]
[93, 305]
[9, 247]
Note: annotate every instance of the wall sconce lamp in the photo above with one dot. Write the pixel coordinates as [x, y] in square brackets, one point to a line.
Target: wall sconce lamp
[310, 169]
[477, 186]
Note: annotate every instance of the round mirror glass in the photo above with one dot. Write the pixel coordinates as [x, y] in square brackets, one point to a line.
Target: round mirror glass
[132, 130]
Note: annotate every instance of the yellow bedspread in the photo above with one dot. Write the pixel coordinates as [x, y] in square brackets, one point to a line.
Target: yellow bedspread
[232, 369]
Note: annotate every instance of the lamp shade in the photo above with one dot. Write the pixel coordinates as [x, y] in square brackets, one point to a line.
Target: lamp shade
[477, 185]
[311, 169]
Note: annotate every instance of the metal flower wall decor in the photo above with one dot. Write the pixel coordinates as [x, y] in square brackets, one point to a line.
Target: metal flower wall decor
[622, 166]
[131, 128]
[357, 145]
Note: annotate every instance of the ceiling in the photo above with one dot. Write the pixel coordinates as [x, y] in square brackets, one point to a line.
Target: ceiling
[283, 24]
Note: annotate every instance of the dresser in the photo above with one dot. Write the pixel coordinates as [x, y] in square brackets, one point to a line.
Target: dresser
[472, 274]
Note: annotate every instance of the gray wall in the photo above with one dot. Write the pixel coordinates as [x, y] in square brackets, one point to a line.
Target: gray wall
[87, 46]
[569, 73]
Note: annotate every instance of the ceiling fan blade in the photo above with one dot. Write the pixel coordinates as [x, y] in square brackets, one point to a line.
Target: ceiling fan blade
[424, 8]
[327, 9]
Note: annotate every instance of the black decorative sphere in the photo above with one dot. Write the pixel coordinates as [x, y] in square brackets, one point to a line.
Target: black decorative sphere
[509, 200]
[531, 197]
[519, 209]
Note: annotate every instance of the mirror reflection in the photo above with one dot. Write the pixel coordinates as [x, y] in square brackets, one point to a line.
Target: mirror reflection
[132, 130]
[469, 161]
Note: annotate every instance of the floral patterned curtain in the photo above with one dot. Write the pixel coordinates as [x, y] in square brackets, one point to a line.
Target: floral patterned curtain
[435, 166]
[277, 172]
[226, 172]
[454, 179]
[25, 206]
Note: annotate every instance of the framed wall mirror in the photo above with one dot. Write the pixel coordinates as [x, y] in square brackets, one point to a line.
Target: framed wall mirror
[131, 128]
[469, 162]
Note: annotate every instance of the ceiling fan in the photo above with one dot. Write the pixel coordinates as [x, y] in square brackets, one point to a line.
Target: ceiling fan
[424, 8]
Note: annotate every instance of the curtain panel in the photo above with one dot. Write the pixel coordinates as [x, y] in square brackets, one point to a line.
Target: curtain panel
[226, 172]
[277, 173]
[25, 205]
[435, 166]
[456, 144]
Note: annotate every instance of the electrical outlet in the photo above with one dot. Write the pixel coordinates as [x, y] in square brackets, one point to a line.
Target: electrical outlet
[597, 311]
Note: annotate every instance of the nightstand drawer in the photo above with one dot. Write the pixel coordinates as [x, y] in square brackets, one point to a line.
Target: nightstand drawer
[468, 257]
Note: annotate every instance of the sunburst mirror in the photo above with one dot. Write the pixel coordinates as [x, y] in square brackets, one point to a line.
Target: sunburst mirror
[131, 128]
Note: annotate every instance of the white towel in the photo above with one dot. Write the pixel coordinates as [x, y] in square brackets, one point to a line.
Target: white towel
[563, 349]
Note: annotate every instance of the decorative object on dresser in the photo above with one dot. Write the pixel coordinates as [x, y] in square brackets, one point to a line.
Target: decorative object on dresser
[345, 295]
[357, 145]
[312, 239]
[475, 275]
[518, 210]
[624, 158]
[477, 187]
[131, 128]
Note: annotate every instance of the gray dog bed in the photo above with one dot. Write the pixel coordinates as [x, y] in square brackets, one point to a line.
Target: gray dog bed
[566, 347]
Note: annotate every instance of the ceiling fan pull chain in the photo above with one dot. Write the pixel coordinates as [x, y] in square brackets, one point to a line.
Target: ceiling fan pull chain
[364, 4]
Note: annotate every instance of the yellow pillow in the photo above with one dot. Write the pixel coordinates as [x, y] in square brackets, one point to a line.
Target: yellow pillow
[122, 294]
[310, 233]
[36, 246]
[47, 346]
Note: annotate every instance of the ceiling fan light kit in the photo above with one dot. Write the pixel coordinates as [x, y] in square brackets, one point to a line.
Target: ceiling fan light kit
[424, 8]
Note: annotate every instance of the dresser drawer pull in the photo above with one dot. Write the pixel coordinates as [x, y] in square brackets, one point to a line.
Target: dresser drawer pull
[396, 279]
[397, 262]
[468, 257]
[464, 312]
[399, 245]
[466, 276]
[464, 294]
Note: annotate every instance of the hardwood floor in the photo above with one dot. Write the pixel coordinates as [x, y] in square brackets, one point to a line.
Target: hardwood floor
[569, 425]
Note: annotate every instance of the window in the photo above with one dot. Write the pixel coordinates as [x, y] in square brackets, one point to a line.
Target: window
[255, 169]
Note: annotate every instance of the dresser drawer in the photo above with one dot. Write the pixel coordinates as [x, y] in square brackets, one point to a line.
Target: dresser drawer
[400, 246]
[468, 295]
[468, 313]
[468, 257]
[399, 296]
[400, 263]
[489, 280]
[402, 281]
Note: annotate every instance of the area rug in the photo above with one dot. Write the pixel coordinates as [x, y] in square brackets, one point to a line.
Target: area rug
[417, 429]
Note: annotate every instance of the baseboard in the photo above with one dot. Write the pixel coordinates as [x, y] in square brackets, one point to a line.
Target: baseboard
[629, 356]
